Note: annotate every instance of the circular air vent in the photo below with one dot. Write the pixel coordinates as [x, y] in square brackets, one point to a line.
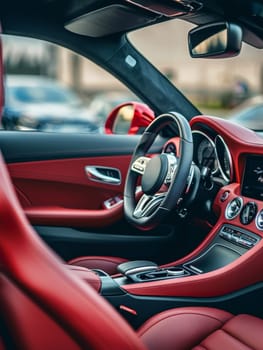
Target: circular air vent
[170, 148]
[259, 220]
[248, 213]
[233, 208]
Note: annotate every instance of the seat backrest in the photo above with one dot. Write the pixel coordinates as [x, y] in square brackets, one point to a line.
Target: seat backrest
[43, 306]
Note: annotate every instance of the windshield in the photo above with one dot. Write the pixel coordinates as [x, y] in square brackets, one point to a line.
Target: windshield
[216, 86]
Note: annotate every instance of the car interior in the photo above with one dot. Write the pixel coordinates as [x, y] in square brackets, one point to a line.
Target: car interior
[145, 239]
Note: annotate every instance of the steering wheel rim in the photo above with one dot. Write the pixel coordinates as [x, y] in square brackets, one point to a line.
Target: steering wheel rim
[160, 204]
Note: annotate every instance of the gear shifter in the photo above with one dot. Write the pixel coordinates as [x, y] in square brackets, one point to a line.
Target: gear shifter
[133, 267]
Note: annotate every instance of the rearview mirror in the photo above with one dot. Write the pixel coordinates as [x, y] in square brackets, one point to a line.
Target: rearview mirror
[215, 40]
[129, 118]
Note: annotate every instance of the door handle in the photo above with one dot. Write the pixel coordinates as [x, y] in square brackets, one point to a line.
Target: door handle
[103, 174]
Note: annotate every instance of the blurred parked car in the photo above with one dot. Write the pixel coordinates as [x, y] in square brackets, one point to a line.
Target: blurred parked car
[42, 104]
[249, 113]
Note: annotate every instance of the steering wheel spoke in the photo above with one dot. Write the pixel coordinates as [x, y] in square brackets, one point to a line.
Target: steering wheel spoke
[172, 166]
[147, 204]
[139, 165]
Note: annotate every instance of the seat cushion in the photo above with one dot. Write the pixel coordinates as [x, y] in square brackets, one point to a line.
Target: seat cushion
[202, 328]
[106, 263]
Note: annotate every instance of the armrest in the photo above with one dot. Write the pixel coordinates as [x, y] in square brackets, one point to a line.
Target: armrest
[86, 275]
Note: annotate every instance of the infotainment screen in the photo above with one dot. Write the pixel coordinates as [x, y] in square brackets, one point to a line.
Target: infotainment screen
[252, 185]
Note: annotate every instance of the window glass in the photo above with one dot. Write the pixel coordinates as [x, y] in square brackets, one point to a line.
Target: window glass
[49, 88]
[216, 86]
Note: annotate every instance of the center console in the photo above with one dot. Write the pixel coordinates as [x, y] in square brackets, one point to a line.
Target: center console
[222, 272]
[229, 243]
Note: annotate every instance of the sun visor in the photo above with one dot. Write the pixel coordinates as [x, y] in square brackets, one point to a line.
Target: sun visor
[126, 16]
[109, 20]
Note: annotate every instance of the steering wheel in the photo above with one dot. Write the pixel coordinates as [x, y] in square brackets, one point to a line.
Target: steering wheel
[163, 177]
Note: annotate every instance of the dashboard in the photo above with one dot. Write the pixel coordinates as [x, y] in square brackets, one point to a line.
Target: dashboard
[234, 157]
[230, 189]
[230, 160]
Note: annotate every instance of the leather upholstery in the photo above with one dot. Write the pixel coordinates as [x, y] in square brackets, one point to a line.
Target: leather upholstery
[201, 328]
[45, 306]
[106, 263]
[86, 275]
[31, 274]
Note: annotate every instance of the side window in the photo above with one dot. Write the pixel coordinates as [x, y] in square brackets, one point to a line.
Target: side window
[51, 89]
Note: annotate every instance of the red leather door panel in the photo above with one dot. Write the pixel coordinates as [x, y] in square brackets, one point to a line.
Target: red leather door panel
[58, 192]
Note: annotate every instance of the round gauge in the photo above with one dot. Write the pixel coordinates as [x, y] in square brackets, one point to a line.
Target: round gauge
[224, 158]
[205, 154]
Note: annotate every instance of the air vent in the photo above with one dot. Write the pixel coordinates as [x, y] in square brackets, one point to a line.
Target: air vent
[248, 213]
[233, 208]
[259, 220]
[170, 148]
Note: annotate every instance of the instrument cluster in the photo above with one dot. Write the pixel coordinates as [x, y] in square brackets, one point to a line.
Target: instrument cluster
[212, 156]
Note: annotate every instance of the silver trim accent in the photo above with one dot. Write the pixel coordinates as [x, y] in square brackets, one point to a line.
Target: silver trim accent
[139, 165]
[260, 213]
[189, 179]
[108, 203]
[94, 174]
[212, 143]
[136, 270]
[172, 168]
[147, 203]
[195, 269]
[225, 177]
[178, 272]
[227, 214]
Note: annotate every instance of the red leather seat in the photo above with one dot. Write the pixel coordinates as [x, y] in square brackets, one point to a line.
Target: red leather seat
[106, 263]
[201, 328]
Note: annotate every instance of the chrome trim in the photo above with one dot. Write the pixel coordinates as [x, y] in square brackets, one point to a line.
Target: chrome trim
[172, 167]
[227, 216]
[140, 269]
[225, 177]
[139, 165]
[195, 269]
[212, 143]
[178, 272]
[94, 174]
[108, 203]
[147, 203]
[189, 179]
[257, 220]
